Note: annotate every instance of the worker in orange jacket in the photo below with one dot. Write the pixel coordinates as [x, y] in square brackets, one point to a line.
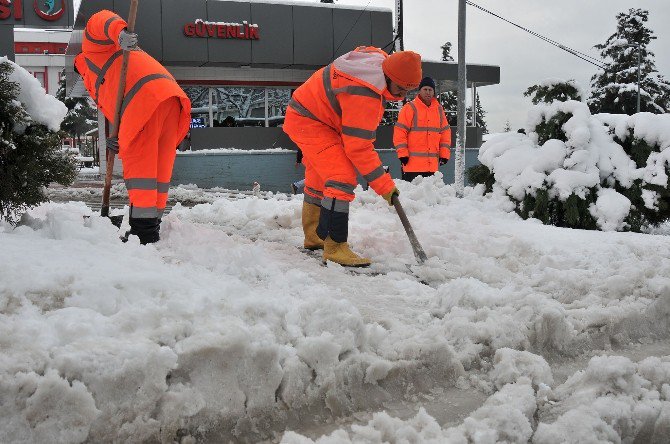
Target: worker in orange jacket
[333, 118]
[422, 135]
[155, 116]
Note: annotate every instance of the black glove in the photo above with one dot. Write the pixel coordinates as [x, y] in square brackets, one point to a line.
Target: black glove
[404, 160]
[113, 144]
[443, 160]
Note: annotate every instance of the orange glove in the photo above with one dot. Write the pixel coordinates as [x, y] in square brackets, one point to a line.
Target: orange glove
[389, 196]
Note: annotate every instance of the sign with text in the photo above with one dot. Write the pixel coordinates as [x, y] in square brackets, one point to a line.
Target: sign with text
[221, 30]
[48, 10]
[197, 122]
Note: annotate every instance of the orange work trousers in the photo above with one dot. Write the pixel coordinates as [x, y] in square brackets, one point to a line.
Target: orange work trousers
[328, 171]
[148, 161]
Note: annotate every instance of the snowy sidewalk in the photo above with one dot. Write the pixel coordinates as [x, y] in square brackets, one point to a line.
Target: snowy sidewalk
[226, 330]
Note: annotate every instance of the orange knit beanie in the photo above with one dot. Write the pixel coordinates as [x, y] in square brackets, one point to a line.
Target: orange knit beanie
[403, 68]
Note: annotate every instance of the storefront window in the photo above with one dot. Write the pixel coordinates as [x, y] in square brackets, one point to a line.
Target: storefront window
[199, 96]
[238, 105]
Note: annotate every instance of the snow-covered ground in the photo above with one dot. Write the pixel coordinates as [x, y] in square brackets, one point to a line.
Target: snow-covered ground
[225, 330]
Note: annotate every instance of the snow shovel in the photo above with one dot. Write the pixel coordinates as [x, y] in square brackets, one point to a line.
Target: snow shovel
[104, 209]
[416, 246]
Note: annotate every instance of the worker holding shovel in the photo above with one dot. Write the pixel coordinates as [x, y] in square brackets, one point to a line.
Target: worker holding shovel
[149, 112]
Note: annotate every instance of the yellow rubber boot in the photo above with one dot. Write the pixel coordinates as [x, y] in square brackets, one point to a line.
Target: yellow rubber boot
[340, 253]
[310, 220]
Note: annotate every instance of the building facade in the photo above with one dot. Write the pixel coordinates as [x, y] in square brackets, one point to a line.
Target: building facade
[42, 53]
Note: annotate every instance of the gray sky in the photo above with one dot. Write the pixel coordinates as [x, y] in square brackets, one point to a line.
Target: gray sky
[523, 59]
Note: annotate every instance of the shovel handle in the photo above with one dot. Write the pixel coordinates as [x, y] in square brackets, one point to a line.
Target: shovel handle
[414, 242]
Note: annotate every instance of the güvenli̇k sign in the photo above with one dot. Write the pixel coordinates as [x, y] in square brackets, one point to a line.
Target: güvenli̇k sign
[221, 30]
[45, 9]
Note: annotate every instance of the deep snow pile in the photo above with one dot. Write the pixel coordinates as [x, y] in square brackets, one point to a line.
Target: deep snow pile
[589, 161]
[226, 329]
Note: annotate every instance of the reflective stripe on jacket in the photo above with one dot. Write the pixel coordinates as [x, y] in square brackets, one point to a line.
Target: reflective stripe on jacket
[422, 133]
[148, 83]
[347, 96]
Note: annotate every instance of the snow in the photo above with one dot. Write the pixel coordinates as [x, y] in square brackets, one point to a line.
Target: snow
[220, 151]
[43, 108]
[225, 330]
[610, 210]
[589, 158]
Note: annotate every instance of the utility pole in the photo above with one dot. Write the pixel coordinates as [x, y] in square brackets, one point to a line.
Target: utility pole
[459, 164]
[399, 43]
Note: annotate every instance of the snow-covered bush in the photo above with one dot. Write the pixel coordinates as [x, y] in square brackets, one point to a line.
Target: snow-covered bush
[30, 156]
[574, 169]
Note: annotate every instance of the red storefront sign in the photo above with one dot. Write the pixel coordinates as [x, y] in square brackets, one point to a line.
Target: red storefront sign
[45, 9]
[203, 29]
[6, 8]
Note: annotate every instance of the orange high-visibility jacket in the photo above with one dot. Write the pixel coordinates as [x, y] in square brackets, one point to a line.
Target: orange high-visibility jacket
[148, 83]
[347, 97]
[422, 133]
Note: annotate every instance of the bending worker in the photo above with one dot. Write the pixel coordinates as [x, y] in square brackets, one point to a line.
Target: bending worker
[422, 135]
[333, 118]
[155, 116]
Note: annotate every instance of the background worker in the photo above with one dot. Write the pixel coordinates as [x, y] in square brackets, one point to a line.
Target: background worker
[155, 116]
[422, 135]
[333, 118]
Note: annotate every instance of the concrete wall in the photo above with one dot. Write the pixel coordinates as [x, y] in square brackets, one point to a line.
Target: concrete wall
[256, 138]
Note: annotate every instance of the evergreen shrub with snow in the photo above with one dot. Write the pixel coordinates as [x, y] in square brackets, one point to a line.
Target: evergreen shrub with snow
[30, 156]
[578, 170]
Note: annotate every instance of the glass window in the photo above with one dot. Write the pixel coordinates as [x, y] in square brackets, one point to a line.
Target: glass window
[41, 77]
[244, 104]
[199, 96]
[238, 105]
[278, 99]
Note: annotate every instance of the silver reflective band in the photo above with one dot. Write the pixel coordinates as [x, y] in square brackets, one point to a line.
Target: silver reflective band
[312, 200]
[416, 154]
[161, 212]
[357, 91]
[430, 129]
[444, 145]
[415, 119]
[328, 87]
[139, 84]
[141, 184]
[345, 187]
[359, 132]
[315, 192]
[109, 22]
[401, 145]
[374, 174]
[341, 206]
[103, 71]
[93, 67]
[144, 212]
[297, 106]
[96, 41]
[400, 125]
[163, 187]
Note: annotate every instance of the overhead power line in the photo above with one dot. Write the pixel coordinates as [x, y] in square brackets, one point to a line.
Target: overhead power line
[352, 26]
[574, 52]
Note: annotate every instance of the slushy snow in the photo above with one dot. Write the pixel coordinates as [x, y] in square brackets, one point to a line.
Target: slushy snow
[226, 330]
